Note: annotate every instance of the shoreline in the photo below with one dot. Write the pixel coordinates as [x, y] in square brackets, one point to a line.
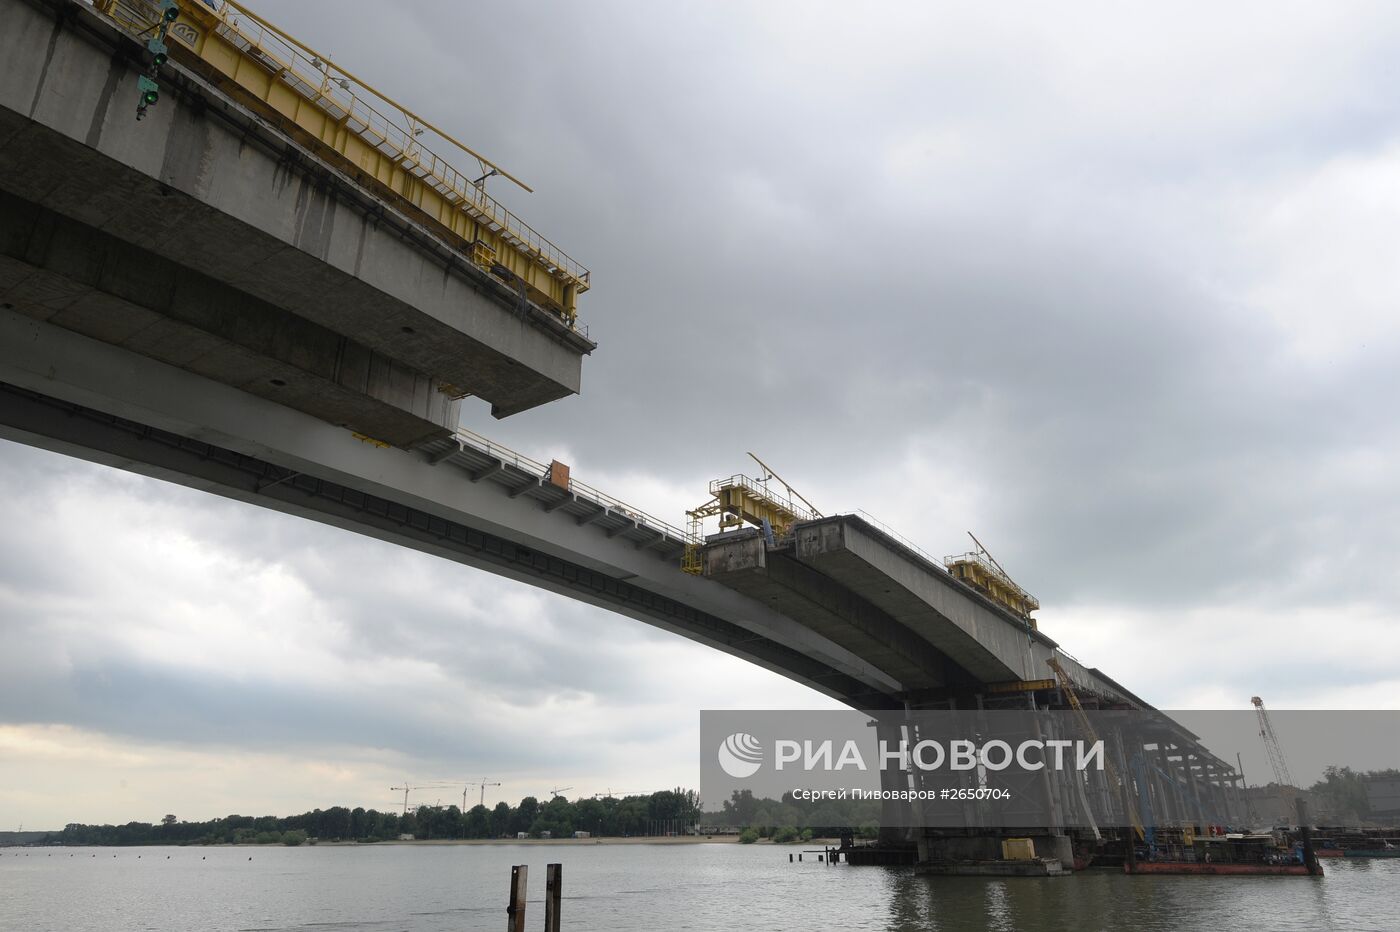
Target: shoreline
[613, 840]
[430, 842]
[610, 840]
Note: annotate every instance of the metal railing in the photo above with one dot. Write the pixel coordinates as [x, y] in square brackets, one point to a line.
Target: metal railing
[987, 566]
[584, 490]
[885, 528]
[504, 454]
[761, 490]
[331, 88]
[581, 489]
[991, 569]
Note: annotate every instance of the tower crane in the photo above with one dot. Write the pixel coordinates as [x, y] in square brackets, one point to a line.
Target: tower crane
[1271, 745]
[619, 794]
[559, 789]
[483, 784]
[407, 788]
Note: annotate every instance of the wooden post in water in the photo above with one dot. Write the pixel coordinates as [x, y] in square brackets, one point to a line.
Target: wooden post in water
[515, 909]
[553, 881]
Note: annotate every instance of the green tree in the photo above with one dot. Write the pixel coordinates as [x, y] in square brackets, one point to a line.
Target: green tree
[1345, 789]
[525, 814]
[589, 815]
[501, 817]
[740, 808]
[478, 822]
[359, 823]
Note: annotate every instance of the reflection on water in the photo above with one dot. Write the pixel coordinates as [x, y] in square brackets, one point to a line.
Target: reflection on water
[621, 888]
[1355, 895]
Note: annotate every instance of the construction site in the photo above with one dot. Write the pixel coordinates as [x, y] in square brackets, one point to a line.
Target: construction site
[311, 350]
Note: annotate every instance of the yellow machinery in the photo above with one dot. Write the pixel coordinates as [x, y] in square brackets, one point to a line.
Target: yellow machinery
[1115, 779]
[379, 143]
[741, 500]
[981, 571]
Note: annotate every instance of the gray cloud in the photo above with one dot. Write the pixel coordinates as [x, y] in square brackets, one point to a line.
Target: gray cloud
[1107, 285]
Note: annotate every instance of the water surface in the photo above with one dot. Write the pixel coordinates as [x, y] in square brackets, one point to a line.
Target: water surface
[621, 888]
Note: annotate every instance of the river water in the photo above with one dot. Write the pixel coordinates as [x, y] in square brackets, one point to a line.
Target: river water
[620, 888]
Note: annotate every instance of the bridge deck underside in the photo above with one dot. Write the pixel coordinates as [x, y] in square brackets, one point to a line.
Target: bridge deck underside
[744, 562]
[843, 578]
[47, 422]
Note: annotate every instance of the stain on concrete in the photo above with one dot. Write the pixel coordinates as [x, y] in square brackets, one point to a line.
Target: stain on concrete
[188, 152]
[44, 72]
[360, 246]
[314, 218]
[115, 69]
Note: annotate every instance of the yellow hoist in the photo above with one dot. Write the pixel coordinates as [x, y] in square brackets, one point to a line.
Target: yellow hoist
[980, 570]
[740, 500]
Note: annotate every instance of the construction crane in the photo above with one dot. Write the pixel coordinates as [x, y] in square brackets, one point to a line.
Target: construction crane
[979, 569]
[559, 789]
[1275, 751]
[1115, 779]
[741, 500]
[615, 794]
[482, 784]
[405, 789]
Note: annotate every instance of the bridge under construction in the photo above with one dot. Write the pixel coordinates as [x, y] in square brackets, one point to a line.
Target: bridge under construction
[275, 286]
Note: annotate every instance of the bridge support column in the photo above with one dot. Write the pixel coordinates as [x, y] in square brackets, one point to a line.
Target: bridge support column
[894, 813]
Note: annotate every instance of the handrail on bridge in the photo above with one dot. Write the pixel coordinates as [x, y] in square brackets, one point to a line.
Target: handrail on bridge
[867, 516]
[403, 138]
[761, 490]
[581, 489]
[990, 568]
[389, 128]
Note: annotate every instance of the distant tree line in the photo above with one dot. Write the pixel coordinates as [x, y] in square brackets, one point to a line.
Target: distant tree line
[1345, 789]
[793, 819]
[659, 813]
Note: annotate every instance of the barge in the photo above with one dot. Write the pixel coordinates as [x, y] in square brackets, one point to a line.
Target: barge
[1229, 854]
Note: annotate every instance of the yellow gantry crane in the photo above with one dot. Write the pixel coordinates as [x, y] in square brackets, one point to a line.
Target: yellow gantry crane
[979, 569]
[741, 500]
[379, 143]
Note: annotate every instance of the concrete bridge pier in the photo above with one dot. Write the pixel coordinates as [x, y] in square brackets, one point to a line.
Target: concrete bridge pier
[894, 813]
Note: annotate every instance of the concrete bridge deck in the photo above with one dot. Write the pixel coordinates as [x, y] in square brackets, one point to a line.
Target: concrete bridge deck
[205, 238]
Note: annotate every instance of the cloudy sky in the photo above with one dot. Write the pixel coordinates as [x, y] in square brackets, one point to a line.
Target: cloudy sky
[1112, 285]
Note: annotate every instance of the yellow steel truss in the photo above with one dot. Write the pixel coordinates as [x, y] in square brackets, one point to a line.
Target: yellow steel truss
[741, 500]
[980, 570]
[375, 140]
